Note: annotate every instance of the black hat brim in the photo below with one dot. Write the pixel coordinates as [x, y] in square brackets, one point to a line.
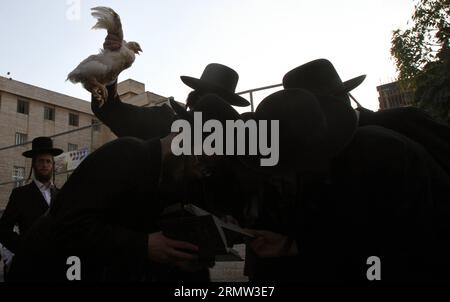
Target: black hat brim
[33, 153]
[349, 85]
[230, 97]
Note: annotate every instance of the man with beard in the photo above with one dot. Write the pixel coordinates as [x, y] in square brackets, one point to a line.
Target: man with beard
[27, 203]
[107, 215]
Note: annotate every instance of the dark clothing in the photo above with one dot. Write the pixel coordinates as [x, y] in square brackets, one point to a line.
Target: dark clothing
[26, 204]
[385, 197]
[103, 215]
[145, 123]
[128, 120]
[416, 125]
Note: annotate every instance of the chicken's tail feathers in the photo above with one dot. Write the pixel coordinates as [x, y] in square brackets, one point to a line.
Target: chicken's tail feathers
[107, 19]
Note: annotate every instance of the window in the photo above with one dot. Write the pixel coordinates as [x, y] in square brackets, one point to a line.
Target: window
[23, 106]
[95, 125]
[18, 176]
[49, 113]
[21, 138]
[72, 147]
[73, 119]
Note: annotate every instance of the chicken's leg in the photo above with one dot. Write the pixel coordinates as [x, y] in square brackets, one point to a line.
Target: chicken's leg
[98, 90]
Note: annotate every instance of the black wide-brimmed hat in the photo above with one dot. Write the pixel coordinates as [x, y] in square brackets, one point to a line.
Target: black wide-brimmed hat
[211, 105]
[321, 78]
[311, 130]
[219, 79]
[42, 145]
[302, 127]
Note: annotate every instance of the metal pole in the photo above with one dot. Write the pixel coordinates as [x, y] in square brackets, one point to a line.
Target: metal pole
[261, 88]
[357, 103]
[254, 90]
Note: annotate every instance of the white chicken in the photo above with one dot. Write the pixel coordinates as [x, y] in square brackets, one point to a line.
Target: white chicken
[96, 71]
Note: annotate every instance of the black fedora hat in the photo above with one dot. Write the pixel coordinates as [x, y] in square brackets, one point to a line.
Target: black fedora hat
[313, 129]
[219, 79]
[42, 145]
[212, 107]
[321, 78]
[302, 128]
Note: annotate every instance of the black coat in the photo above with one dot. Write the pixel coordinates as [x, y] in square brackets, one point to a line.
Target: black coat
[129, 120]
[102, 214]
[416, 125]
[386, 197]
[26, 204]
[145, 123]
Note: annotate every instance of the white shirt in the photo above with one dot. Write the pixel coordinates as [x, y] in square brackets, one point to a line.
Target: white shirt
[357, 116]
[45, 190]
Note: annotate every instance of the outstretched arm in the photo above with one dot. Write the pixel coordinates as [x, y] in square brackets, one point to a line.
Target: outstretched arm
[129, 120]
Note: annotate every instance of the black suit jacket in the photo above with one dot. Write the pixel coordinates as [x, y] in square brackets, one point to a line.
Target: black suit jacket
[102, 214]
[416, 125]
[128, 120]
[26, 204]
[386, 197]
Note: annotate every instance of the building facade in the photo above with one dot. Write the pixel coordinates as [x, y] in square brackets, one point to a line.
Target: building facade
[391, 95]
[27, 111]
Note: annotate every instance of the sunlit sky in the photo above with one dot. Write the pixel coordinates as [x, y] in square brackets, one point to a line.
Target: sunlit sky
[43, 40]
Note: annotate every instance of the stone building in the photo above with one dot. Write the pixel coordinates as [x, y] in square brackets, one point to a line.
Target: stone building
[392, 95]
[27, 111]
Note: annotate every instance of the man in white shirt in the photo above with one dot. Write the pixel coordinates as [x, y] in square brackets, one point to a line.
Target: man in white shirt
[45, 188]
[27, 203]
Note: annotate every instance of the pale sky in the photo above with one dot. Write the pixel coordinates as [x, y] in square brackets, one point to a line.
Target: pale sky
[43, 40]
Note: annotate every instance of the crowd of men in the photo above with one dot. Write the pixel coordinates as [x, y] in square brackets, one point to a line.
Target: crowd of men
[349, 184]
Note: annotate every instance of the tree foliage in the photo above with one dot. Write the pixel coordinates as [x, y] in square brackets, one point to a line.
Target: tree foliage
[422, 56]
